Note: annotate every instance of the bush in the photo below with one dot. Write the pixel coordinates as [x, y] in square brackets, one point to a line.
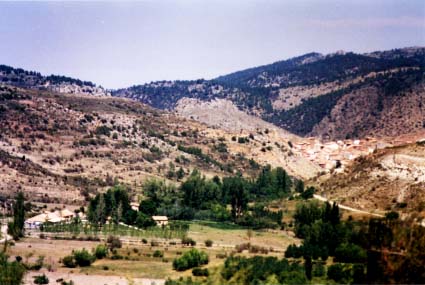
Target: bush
[113, 242]
[145, 241]
[158, 253]
[338, 273]
[83, 258]
[200, 272]
[319, 269]
[308, 194]
[117, 256]
[188, 241]
[41, 279]
[208, 243]
[350, 253]
[68, 261]
[101, 251]
[190, 259]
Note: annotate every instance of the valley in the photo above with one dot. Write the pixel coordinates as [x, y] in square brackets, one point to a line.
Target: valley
[241, 168]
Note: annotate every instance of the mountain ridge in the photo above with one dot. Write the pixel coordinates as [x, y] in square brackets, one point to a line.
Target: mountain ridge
[305, 95]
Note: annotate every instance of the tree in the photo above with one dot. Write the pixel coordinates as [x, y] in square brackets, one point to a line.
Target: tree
[236, 187]
[100, 210]
[180, 173]
[144, 221]
[190, 259]
[299, 186]
[308, 194]
[147, 207]
[11, 273]
[16, 228]
[308, 267]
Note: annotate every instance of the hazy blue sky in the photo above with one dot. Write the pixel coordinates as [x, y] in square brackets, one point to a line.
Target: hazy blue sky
[118, 44]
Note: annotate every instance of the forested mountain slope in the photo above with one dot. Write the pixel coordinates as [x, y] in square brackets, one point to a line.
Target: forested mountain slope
[314, 94]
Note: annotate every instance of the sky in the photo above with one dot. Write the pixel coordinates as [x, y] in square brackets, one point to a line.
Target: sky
[119, 44]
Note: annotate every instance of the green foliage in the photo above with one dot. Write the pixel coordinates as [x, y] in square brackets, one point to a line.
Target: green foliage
[16, 228]
[198, 153]
[11, 272]
[148, 207]
[103, 130]
[198, 192]
[255, 270]
[188, 241]
[113, 242]
[158, 253]
[101, 251]
[83, 258]
[308, 194]
[272, 183]
[41, 279]
[208, 243]
[236, 190]
[392, 215]
[299, 186]
[339, 273]
[319, 269]
[144, 221]
[200, 272]
[190, 259]
[69, 261]
[350, 253]
[115, 203]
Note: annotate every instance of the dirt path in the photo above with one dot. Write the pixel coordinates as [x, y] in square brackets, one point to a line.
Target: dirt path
[323, 199]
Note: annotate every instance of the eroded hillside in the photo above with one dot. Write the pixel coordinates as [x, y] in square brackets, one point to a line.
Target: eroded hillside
[388, 179]
[63, 148]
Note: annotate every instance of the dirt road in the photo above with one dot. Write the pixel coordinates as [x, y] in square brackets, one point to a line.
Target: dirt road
[323, 199]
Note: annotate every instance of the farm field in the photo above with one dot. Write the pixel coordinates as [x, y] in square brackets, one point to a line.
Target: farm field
[138, 266]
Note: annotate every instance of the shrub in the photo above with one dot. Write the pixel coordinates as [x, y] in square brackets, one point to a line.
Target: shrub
[200, 272]
[145, 241]
[113, 242]
[190, 259]
[319, 269]
[83, 258]
[158, 253]
[338, 273]
[69, 261]
[101, 251]
[41, 279]
[350, 253]
[308, 194]
[208, 243]
[188, 241]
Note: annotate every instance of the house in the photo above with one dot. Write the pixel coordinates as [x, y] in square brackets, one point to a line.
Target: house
[51, 217]
[134, 206]
[67, 214]
[36, 221]
[160, 220]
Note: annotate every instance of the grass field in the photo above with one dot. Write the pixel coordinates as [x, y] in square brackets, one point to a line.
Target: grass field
[138, 260]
